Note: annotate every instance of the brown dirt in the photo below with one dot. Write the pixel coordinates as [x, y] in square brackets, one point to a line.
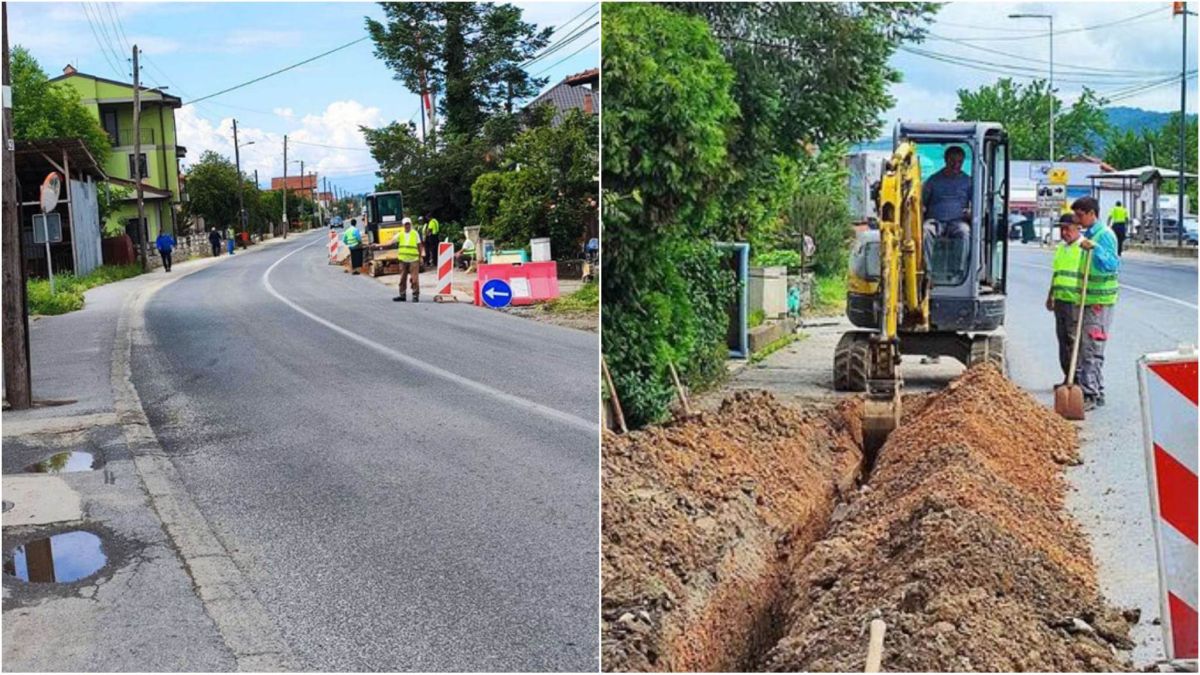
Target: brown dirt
[962, 546]
[699, 518]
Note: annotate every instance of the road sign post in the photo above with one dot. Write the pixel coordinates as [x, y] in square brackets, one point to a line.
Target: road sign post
[496, 293]
[51, 189]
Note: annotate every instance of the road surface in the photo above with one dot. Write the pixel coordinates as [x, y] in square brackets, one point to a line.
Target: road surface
[405, 487]
[1156, 311]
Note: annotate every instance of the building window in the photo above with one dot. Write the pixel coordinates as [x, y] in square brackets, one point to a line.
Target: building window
[142, 163]
[110, 125]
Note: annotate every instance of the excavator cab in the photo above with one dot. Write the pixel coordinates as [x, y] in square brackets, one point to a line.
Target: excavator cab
[933, 289]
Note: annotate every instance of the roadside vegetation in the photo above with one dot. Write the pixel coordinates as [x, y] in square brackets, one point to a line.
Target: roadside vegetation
[584, 300]
[724, 123]
[69, 289]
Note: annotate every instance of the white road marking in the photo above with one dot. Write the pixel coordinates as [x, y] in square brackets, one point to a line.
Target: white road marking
[1127, 287]
[511, 399]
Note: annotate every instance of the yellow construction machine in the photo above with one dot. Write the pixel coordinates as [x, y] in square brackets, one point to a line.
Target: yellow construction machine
[951, 304]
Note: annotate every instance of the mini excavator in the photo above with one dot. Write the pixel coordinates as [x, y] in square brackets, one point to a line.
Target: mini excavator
[949, 305]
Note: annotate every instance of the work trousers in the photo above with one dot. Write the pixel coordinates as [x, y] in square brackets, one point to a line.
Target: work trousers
[166, 258]
[954, 229]
[1119, 229]
[356, 258]
[1066, 318]
[431, 247]
[216, 247]
[410, 272]
[1096, 321]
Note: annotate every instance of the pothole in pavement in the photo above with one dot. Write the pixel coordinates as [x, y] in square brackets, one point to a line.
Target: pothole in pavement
[70, 461]
[58, 558]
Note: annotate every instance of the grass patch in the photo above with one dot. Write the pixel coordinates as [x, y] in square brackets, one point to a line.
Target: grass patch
[775, 346]
[69, 289]
[757, 317]
[586, 299]
[829, 295]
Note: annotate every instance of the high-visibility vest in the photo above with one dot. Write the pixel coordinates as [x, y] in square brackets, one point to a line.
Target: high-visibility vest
[1119, 214]
[351, 237]
[1068, 278]
[407, 246]
[433, 226]
[1102, 286]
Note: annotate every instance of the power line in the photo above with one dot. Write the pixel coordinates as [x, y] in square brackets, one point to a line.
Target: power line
[1023, 72]
[1066, 66]
[1034, 36]
[108, 41]
[121, 42]
[103, 52]
[332, 147]
[120, 24]
[281, 70]
[568, 56]
[555, 46]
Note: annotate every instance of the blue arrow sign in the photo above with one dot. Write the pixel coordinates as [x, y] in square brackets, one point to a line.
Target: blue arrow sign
[496, 293]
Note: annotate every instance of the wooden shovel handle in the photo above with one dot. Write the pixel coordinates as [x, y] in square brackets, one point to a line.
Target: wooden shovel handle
[1087, 267]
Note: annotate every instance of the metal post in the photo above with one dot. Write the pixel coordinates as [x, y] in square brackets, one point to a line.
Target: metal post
[18, 389]
[1051, 91]
[237, 159]
[1182, 128]
[137, 162]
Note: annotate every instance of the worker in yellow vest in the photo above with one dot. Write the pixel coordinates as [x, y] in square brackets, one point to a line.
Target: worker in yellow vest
[432, 237]
[1118, 220]
[409, 250]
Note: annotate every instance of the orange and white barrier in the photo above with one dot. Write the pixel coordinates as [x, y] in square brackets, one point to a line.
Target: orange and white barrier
[445, 270]
[333, 246]
[1168, 385]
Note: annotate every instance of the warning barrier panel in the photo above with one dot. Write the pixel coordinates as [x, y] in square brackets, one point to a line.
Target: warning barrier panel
[530, 282]
[1168, 386]
[445, 269]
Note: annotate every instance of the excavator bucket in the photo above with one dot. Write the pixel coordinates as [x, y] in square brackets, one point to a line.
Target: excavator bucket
[881, 414]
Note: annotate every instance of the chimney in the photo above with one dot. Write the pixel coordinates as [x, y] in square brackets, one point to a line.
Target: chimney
[587, 103]
[69, 70]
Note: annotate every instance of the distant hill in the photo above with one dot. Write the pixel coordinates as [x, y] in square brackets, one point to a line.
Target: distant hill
[1121, 118]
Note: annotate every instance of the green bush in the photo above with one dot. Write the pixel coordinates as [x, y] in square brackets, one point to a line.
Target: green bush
[668, 108]
[778, 257]
[69, 289]
[586, 299]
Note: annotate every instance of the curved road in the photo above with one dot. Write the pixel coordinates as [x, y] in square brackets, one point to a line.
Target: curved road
[406, 487]
[1156, 311]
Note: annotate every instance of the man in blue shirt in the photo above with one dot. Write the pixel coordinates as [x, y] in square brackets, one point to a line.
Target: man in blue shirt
[1097, 314]
[165, 245]
[946, 196]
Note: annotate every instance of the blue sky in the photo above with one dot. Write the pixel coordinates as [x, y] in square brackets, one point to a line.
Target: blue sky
[196, 49]
[1109, 59]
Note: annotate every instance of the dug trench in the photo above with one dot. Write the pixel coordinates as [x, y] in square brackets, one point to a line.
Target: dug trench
[749, 538]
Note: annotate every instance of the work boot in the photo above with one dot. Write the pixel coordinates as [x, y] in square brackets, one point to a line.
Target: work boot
[400, 298]
[355, 272]
[416, 299]
[1100, 401]
[1089, 403]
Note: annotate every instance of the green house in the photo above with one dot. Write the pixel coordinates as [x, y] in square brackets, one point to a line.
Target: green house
[112, 103]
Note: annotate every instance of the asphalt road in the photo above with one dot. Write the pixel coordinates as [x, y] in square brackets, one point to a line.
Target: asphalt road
[406, 487]
[1156, 311]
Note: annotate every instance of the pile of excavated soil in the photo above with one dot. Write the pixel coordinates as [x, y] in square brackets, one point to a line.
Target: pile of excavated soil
[698, 520]
[961, 544]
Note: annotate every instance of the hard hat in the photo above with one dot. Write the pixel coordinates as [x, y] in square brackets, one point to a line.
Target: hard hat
[406, 221]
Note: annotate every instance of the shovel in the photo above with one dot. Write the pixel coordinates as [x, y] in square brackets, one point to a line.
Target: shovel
[1068, 398]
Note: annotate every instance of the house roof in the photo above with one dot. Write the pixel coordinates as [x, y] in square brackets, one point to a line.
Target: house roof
[32, 164]
[590, 76]
[148, 191]
[566, 97]
[1148, 171]
[69, 71]
[305, 182]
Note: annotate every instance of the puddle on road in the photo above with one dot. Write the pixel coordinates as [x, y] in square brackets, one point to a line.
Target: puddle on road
[60, 558]
[64, 462]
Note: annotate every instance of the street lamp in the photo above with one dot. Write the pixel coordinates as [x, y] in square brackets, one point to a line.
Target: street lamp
[1050, 18]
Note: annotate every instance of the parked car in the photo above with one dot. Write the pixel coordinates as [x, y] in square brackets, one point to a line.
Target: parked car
[1189, 231]
[336, 221]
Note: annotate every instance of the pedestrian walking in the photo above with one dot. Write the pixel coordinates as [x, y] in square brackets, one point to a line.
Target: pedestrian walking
[432, 237]
[214, 240]
[409, 251]
[1102, 287]
[229, 243]
[353, 240]
[165, 245]
[1118, 220]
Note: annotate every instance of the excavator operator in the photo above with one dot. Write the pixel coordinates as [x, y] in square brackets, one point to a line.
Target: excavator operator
[946, 196]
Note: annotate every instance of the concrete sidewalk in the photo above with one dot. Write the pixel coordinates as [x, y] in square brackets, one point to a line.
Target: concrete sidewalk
[140, 611]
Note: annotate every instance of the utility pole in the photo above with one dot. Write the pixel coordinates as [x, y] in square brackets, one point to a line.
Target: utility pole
[143, 231]
[1181, 8]
[18, 388]
[237, 159]
[285, 218]
[301, 178]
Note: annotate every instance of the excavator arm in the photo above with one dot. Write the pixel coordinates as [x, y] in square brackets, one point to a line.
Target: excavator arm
[903, 290]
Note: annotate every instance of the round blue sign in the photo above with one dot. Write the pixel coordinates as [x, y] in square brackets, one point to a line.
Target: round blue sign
[496, 293]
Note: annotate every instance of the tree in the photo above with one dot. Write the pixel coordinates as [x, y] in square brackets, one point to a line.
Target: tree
[470, 51]
[212, 191]
[1128, 149]
[42, 109]
[1025, 113]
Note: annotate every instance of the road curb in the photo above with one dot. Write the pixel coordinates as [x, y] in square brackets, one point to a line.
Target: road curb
[243, 623]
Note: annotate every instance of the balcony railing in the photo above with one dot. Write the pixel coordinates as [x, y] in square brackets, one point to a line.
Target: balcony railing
[126, 137]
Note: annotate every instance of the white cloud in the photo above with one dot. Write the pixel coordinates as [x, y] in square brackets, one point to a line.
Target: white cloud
[247, 39]
[336, 126]
[284, 112]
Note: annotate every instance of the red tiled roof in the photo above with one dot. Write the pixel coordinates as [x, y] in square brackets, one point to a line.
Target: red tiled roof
[308, 182]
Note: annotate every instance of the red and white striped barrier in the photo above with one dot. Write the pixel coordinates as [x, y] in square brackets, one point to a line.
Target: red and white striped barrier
[333, 246]
[445, 271]
[1168, 385]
